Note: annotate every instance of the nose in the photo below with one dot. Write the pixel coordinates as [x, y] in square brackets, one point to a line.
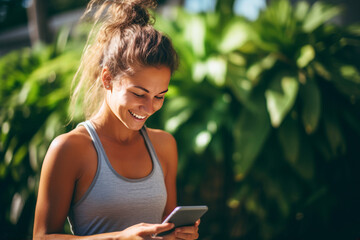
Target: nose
[148, 106]
[151, 105]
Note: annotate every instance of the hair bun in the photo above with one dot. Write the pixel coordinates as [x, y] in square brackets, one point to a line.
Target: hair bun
[136, 13]
[121, 12]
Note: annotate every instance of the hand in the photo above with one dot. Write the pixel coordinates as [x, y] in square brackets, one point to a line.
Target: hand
[184, 233]
[145, 231]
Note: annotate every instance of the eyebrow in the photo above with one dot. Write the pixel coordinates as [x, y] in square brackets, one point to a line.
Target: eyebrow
[144, 89]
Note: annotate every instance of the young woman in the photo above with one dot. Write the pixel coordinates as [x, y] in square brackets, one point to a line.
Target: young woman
[112, 177]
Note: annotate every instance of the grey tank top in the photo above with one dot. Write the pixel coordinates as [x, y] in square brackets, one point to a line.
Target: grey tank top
[113, 202]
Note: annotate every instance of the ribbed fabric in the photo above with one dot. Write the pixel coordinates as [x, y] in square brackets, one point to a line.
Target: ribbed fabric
[113, 202]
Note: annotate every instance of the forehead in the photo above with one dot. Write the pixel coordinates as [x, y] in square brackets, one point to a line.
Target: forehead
[151, 78]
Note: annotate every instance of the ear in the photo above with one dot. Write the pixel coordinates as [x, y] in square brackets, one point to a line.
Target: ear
[106, 78]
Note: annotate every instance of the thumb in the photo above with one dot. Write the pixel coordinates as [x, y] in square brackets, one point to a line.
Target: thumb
[156, 228]
[197, 223]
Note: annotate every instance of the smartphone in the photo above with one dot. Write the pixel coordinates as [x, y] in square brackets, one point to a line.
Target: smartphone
[184, 216]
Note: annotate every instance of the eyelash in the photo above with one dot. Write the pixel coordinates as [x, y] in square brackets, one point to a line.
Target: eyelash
[140, 96]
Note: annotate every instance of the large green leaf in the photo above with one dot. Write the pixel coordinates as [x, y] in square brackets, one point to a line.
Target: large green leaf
[255, 71]
[235, 35]
[250, 132]
[305, 166]
[289, 138]
[239, 83]
[301, 10]
[307, 54]
[319, 14]
[350, 73]
[280, 97]
[195, 34]
[311, 105]
[321, 70]
[178, 110]
[334, 133]
[214, 69]
[280, 12]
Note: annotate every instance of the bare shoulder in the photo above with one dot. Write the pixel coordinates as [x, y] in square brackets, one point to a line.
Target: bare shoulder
[165, 147]
[162, 139]
[161, 136]
[75, 141]
[69, 150]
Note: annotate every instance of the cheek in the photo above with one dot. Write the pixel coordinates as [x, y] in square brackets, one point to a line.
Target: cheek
[117, 101]
[157, 105]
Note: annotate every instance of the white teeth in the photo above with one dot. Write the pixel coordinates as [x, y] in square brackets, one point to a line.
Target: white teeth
[137, 116]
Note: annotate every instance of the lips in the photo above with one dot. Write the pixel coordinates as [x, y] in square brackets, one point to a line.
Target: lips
[139, 117]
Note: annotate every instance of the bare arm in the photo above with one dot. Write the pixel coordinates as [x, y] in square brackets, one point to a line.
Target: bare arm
[57, 181]
[170, 175]
[166, 147]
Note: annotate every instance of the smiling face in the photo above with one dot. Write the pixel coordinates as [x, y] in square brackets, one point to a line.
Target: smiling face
[132, 99]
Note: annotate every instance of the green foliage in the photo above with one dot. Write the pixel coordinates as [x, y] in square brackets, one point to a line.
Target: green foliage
[34, 109]
[265, 114]
[266, 117]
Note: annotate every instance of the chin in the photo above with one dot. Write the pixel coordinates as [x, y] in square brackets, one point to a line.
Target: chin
[131, 123]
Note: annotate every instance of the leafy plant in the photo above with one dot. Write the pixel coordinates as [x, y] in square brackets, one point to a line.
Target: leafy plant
[266, 116]
[33, 95]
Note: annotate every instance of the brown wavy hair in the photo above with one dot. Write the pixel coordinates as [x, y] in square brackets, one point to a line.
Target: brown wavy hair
[125, 41]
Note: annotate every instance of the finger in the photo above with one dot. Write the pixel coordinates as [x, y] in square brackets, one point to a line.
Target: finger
[157, 238]
[186, 236]
[189, 229]
[149, 229]
[197, 223]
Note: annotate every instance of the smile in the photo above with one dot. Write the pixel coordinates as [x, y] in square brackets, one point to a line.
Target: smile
[137, 116]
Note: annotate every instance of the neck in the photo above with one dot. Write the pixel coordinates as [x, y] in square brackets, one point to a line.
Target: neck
[109, 126]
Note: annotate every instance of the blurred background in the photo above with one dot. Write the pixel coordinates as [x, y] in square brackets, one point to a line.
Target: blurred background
[265, 108]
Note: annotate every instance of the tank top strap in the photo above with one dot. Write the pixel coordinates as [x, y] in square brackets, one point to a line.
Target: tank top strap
[150, 147]
[95, 138]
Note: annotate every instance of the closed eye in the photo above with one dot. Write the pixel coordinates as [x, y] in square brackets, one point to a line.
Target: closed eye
[141, 96]
[137, 95]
